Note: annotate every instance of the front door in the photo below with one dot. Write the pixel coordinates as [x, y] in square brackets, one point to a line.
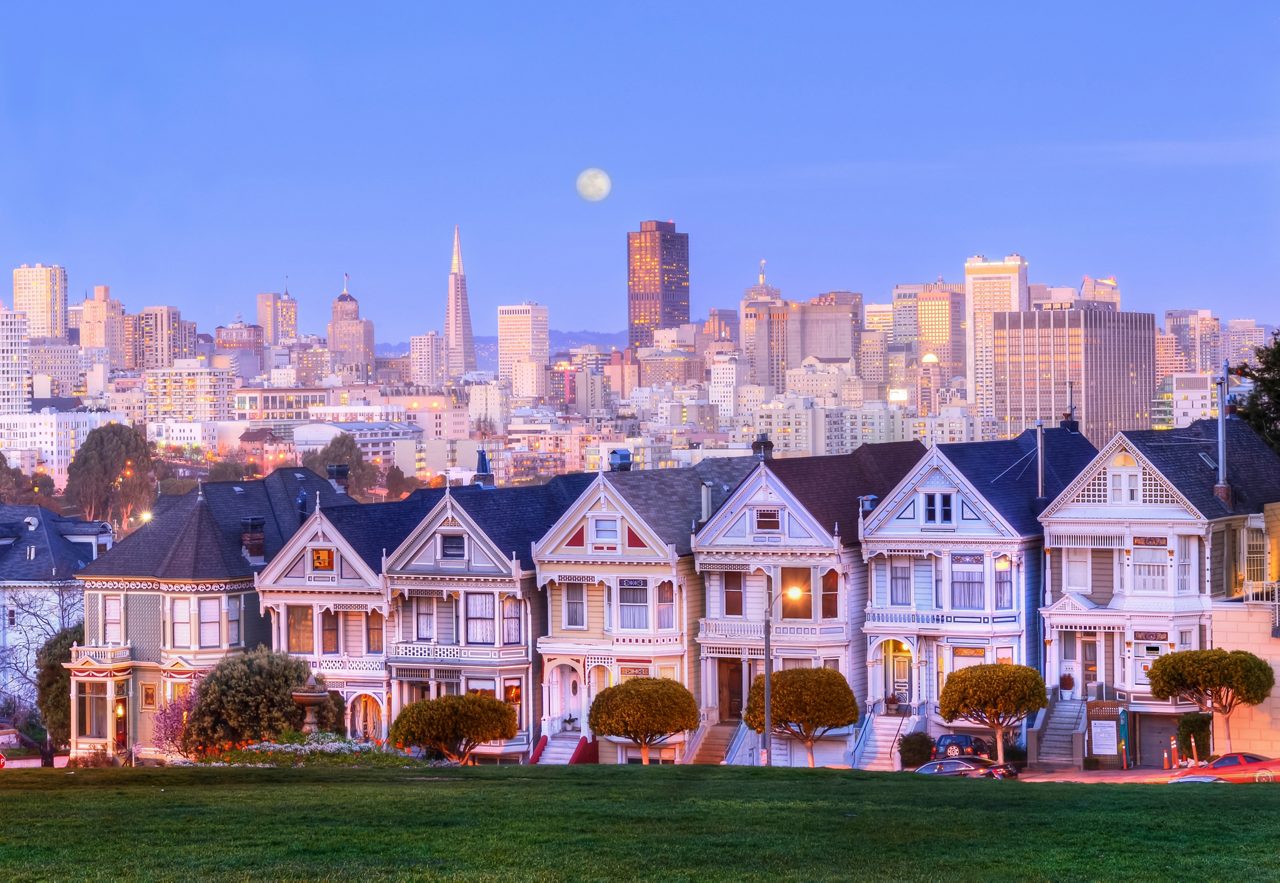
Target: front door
[571, 699]
[1089, 650]
[730, 681]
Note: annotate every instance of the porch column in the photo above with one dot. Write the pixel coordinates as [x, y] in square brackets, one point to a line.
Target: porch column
[1080, 686]
[111, 717]
[1102, 658]
[76, 687]
[1051, 653]
[746, 678]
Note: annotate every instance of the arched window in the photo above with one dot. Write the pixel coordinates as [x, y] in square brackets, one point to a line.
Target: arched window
[1125, 478]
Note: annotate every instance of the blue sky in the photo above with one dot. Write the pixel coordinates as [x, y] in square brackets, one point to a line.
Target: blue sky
[197, 155]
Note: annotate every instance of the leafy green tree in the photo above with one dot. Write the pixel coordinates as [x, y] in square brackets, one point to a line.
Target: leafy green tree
[454, 726]
[248, 698]
[398, 485]
[23, 490]
[1214, 680]
[807, 704]
[53, 684]
[915, 749]
[112, 475]
[343, 450]
[227, 470]
[1261, 409]
[996, 696]
[647, 711]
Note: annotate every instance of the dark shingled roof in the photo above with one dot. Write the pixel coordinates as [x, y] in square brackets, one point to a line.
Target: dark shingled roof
[829, 487]
[1188, 459]
[670, 500]
[54, 557]
[1004, 472]
[196, 536]
[371, 529]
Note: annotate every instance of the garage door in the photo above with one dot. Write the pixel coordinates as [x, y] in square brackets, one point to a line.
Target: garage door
[1154, 731]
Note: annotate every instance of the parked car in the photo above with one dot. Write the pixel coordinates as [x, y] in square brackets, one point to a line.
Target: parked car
[969, 768]
[961, 745]
[1235, 767]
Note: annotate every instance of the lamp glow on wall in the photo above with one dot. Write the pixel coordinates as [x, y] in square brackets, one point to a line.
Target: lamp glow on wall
[1003, 564]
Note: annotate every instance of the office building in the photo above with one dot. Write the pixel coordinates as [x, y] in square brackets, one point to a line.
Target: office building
[1242, 339]
[278, 317]
[47, 442]
[1093, 361]
[1182, 399]
[460, 345]
[41, 293]
[163, 337]
[350, 337]
[1198, 333]
[657, 280]
[523, 336]
[427, 359]
[990, 287]
[15, 363]
[1105, 290]
[1169, 358]
[188, 391]
[102, 326]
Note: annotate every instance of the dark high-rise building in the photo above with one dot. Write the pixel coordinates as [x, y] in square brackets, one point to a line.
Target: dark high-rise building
[657, 280]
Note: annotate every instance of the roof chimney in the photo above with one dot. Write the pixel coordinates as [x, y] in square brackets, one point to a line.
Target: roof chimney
[1039, 459]
[762, 448]
[706, 500]
[1222, 490]
[253, 539]
[340, 477]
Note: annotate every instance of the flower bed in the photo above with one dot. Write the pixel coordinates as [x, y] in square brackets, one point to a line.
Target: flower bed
[318, 749]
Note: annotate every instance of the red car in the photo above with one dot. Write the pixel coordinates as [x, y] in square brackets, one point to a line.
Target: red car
[1235, 767]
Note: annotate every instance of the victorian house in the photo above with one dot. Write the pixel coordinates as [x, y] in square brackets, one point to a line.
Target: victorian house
[176, 597]
[623, 597]
[1160, 525]
[954, 555]
[431, 596]
[782, 554]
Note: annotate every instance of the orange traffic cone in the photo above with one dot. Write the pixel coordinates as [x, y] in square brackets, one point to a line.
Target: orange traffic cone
[1166, 759]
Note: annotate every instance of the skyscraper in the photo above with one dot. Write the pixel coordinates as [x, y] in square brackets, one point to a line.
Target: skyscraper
[657, 280]
[523, 336]
[163, 336]
[15, 363]
[41, 293]
[460, 347]
[426, 359]
[1101, 289]
[990, 287]
[278, 316]
[1100, 360]
[1199, 335]
[940, 328]
[1242, 339]
[350, 337]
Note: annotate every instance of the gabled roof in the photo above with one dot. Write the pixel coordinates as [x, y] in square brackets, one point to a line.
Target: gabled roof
[40, 550]
[514, 518]
[1005, 472]
[371, 529]
[829, 487]
[1188, 459]
[670, 500]
[197, 536]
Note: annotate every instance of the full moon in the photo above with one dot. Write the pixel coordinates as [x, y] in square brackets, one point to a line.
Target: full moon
[594, 185]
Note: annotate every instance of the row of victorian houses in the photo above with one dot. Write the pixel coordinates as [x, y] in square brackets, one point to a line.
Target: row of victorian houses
[910, 564]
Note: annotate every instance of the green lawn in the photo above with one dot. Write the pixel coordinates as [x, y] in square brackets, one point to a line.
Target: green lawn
[667, 823]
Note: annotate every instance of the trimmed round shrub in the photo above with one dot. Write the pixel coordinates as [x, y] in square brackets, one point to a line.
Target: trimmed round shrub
[915, 749]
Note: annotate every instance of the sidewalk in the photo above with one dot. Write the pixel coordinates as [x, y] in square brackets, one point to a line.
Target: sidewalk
[1146, 775]
[19, 763]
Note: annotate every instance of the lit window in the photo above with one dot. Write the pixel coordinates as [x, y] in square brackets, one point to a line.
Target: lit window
[374, 632]
[322, 560]
[830, 595]
[328, 632]
[301, 637]
[1004, 584]
[797, 604]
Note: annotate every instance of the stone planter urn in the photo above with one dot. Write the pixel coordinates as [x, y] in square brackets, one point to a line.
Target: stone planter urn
[309, 697]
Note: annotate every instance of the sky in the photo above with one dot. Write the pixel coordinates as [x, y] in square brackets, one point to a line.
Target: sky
[196, 154]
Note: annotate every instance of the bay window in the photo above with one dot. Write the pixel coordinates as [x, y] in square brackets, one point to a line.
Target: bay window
[301, 636]
[575, 607]
[666, 606]
[831, 595]
[511, 616]
[91, 709]
[633, 603]
[966, 588]
[181, 615]
[1150, 569]
[480, 611]
[801, 606]
[374, 631]
[210, 610]
[732, 583]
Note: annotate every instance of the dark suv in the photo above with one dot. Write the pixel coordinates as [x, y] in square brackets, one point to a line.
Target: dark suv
[961, 745]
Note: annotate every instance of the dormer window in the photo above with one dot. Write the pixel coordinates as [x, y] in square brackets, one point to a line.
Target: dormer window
[768, 520]
[322, 560]
[605, 530]
[939, 509]
[453, 546]
[1125, 480]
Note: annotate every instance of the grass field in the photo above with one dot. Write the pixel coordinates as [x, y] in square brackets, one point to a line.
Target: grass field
[670, 823]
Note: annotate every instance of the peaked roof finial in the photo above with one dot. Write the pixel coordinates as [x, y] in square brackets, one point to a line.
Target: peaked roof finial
[762, 263]
[456, 265]
[199, 489]
[317, 501]
[286, 284]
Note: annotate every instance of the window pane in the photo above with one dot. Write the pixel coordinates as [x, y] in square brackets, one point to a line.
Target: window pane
[182, 622]
[733, 594]
[328, 632]
[424, 619]
[606, 528]
[830, 595]
[210, 612]
[233, 621]
[900, 584]
[301, 636]
[374, 623]
[453, 546]
[966, 590]
[802, 606]
[666, 606]
[574, 612]
[768, 519]
[1004, 589]
[511, 621]
[480, 626]
[111, 620]
[633, 609]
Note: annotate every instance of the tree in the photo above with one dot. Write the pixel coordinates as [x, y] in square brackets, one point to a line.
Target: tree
[112, 474]
[454, 726]
[20, 489]
[807, 704]
[170, 725]
[249, 698]
[226, 470]
[53, 684]
[398, 485]
[996, 696]
[647, 711]
[343, 450]
[1261, 409]
[1213, 680]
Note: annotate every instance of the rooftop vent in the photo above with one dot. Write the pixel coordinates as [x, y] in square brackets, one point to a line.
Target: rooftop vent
[253, 538]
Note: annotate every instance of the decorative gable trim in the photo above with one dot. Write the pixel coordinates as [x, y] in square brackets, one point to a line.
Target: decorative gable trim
[1090, 487]
[973, 506]
[761, 489]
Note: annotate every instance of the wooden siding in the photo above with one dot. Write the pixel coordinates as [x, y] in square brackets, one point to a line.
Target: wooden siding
[1102, 579]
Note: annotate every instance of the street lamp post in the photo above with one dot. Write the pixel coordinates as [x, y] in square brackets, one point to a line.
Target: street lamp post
[794, 593]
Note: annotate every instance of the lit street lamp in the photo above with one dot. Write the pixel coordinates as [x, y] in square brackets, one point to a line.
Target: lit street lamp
[794, 593]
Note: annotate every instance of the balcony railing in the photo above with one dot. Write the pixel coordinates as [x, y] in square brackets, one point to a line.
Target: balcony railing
[914, 617]
[103, 655]
[783, 632]
[347, 664]
[459, 652]
[1265, 593]
[648, 640]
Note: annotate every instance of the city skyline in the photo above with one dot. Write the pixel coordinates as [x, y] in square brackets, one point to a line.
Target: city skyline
[839, 200]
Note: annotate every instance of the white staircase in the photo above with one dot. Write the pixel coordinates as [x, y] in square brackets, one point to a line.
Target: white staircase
[715, 743]
[1055, 743]
[559, 748]
[878, 754]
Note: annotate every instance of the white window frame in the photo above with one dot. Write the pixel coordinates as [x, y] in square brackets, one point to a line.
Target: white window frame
[235, 607]
[579, 604]
[755, 519]
[106, 619]
[603, 526]
[625, 607]
[906, 598]
[667, 607]
[1154, 579]
[1067, 584]
[424, 607]
[446, 559]
[932, 508]
[174, 622]
[212, 605]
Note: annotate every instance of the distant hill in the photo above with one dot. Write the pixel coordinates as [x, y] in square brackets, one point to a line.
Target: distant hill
[487, 346]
